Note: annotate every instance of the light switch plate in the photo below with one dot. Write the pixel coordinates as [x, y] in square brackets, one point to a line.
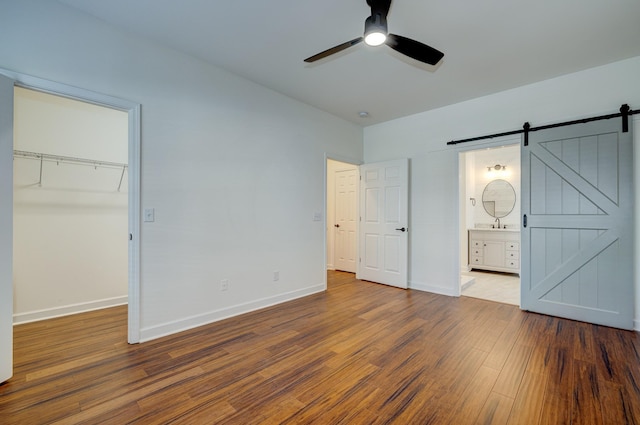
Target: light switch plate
[149, 215]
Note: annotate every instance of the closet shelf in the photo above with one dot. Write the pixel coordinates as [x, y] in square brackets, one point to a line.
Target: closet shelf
[69, 160]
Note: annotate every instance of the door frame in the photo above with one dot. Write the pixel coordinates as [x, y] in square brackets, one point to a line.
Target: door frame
[463, 149]
[133, 170]
[347, 160]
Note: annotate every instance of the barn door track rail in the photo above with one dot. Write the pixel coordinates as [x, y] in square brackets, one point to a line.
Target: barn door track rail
[625, 113]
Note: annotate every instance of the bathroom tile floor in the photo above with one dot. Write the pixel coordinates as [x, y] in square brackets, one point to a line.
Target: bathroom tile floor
[499, 287]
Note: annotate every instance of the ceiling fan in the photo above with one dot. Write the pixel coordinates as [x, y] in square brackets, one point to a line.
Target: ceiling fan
[375, 34]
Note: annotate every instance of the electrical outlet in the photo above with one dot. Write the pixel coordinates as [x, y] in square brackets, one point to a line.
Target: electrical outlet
[276, 276]
[224, 284]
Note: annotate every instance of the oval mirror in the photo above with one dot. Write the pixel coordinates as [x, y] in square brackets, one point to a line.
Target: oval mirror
[498, 198]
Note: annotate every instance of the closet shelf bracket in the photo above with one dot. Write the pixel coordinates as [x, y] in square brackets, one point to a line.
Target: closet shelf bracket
[124, 168]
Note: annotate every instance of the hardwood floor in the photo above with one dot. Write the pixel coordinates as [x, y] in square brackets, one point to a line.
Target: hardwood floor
[360, 353]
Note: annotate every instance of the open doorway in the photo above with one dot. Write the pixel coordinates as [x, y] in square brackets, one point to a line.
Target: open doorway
[9, 80]
[71, 212]
[342, 215]
[490, 224]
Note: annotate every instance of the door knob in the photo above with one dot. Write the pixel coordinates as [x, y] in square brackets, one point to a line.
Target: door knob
[336, 225]
[402, 229]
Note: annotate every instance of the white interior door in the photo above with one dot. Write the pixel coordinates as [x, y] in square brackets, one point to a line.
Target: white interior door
[384, 220]
[346, 201]
[577, 244]
[6, 228]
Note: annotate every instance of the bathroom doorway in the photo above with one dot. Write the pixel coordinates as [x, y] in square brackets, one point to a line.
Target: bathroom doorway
[490, 223]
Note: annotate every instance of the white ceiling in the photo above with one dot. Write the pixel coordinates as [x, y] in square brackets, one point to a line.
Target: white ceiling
[489, 45]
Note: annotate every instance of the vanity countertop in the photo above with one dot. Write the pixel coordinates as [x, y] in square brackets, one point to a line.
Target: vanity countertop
[489, 229]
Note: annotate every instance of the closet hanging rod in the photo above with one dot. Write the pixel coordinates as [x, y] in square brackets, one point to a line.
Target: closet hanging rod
[68, 159]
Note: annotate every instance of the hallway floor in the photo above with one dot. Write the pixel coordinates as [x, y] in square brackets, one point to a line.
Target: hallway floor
[493, 286]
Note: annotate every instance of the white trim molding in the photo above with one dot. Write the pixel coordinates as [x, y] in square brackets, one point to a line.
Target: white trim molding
[50, 313]
[169, 328]
[435, 289]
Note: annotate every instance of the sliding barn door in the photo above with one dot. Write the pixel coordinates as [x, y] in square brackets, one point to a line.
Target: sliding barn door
[6, 228]
[384, 194]
[577, 245]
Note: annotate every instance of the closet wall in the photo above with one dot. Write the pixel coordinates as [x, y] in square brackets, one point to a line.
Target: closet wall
[70, 221]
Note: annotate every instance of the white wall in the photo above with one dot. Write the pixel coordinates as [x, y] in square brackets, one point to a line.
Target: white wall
[70, 233]
[423, 137]
[234, 171]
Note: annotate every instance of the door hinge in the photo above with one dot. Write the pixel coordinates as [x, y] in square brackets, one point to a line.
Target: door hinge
[130, 237]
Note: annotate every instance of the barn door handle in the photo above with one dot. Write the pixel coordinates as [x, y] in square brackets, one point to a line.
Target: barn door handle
[524, 221]
[402, 229]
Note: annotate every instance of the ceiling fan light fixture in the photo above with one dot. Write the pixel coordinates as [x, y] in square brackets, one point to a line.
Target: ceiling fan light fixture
[375, 30]
[375, 38]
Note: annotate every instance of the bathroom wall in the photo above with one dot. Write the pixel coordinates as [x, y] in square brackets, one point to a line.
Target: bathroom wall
[482, 159]
[474, 176]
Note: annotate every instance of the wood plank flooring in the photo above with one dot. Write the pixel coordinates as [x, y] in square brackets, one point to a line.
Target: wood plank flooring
[360, 353]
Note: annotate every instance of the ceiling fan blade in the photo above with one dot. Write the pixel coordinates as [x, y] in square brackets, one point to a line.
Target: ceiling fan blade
[414, 49]
[334, 50]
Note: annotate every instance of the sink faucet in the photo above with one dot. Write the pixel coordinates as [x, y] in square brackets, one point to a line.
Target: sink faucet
[498, 220]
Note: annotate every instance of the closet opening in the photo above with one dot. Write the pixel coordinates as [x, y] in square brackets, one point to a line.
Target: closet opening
[71, 206]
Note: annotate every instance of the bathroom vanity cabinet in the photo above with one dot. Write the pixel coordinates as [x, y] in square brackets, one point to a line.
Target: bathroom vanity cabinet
[495, 249]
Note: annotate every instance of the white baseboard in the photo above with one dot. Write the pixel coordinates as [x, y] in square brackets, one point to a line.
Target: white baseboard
[441, 290]
[169, 328]
[50, 313]
[466, 281]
